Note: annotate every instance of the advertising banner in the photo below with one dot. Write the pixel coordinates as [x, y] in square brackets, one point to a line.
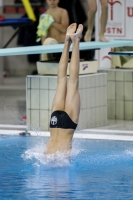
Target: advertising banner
[119, 26]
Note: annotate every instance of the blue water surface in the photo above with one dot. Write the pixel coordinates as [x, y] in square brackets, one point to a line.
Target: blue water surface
[98, 169]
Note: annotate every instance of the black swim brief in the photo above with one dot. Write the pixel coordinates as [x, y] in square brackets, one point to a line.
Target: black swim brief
[60, 119]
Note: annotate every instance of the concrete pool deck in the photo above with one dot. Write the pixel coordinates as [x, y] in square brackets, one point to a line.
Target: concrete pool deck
[13, 108]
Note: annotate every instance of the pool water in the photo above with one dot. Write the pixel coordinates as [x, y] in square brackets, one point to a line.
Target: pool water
[98, 170]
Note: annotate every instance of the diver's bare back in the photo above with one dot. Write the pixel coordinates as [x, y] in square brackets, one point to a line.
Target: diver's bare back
[61, 140]
[58, 17]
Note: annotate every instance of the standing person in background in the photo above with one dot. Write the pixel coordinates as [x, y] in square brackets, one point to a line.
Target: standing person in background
[91, 17]
[75, 10]
[53, 23]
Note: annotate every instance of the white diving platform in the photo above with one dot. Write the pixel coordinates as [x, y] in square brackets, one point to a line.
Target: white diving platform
[57, 48]
[121, 53]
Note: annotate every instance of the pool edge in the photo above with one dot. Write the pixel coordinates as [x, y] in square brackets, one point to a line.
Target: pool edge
[96, 134]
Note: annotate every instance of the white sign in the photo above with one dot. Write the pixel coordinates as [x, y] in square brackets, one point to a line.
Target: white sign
[119, 26]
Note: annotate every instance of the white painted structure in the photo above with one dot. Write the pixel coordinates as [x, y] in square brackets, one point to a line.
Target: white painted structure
[40, 94]
[119, 26]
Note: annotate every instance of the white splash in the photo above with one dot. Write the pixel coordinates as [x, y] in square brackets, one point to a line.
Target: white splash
[55, 160]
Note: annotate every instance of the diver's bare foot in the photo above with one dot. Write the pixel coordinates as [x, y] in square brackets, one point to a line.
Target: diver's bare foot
[70, 30]
[78, 33]
[87, 37]
[102, 38]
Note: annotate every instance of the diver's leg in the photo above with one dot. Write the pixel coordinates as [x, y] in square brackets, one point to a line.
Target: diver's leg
[72, 106]
[60, 96]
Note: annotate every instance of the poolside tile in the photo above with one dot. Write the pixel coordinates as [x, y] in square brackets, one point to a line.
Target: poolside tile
[105, 96]
[105, 80]
[101, 80]
[128, 110]
[52, 83]
[111, 75]
[43, 83]
[88, 98]
[35, 99]
[35, 83]
[97, 97]
[119, 76]
[28, 99]
[128, 76]
[111, 90]
[51, 95]
[120, 109]
[101, 116]
[44, 120]
[93, 117]
[28, 82]
[111, 109]
[44, 99]
[97, 116]
[79, 127]
[93, 96]
[35, 124]
[84, 119]
[80, 83]
[88, 118]
[92, 81]
[88, 82]
[101, 96]
[83, 99]
[120, 91]
[28, 114]
[84, 82]
[105, 115]
[128, 92]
